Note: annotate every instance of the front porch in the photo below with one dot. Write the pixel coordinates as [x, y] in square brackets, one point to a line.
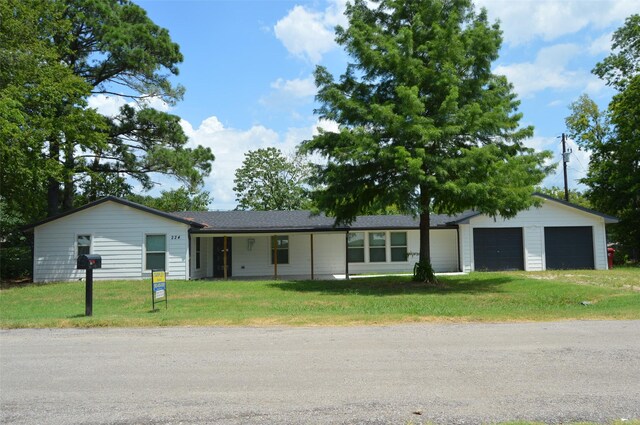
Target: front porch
[316, 255]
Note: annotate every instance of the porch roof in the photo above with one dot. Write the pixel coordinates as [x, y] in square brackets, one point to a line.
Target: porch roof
[301, 221]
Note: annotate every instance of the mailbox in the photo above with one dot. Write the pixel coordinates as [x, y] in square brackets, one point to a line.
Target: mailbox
[89, 262]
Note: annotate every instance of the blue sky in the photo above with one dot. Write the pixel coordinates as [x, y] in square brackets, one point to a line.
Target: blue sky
[248, 66]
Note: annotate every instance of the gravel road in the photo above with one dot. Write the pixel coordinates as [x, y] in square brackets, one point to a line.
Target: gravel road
[443, 373]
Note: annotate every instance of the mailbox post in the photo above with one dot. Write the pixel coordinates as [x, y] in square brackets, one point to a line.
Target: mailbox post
[89, 262]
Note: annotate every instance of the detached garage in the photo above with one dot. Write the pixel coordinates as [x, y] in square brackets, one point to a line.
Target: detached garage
[557, 235]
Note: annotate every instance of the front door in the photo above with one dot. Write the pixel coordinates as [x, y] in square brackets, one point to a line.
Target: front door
[219, 261]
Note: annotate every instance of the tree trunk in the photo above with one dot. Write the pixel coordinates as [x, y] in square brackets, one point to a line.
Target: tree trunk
[92, 194]
[53, 189]
[53, 185]
[69, 168]
[423, 272]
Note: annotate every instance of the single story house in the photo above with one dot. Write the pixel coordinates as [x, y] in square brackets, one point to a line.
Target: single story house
[134, 239]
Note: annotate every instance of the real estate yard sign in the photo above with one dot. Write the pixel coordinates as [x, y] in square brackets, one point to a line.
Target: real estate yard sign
[158, 288]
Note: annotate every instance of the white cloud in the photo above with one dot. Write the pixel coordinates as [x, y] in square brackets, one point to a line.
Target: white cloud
[109, 105]
[555, 103]
[595, 87]
[310, 34]
[229, 146]
[155, 103]
[548, 71]
[326, 125]
[287, 96]
[525, 20]
[304, 34]
[601, 44]
[106, 105]
[296, 88]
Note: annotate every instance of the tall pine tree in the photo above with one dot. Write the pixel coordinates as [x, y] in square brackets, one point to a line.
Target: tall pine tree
[424, 123]
[93, 47]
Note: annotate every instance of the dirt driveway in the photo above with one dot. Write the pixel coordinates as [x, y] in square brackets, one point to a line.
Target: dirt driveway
[458, 373]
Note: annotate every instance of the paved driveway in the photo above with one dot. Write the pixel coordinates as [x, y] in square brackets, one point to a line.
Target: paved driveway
[458, 373]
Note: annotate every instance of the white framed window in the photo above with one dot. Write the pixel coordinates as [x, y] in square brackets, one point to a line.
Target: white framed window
[83, 244]
[398, 246]
[280, 244]
[198, 241]
[355, 244]
[377, 247]
[155, 252]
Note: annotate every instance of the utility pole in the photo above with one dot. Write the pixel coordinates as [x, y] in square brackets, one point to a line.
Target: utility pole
[565, 159]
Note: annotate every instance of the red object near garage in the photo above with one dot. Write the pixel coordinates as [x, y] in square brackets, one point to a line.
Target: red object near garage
[610, 252]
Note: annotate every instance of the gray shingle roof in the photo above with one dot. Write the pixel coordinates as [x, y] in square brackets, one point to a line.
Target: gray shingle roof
[265, 221]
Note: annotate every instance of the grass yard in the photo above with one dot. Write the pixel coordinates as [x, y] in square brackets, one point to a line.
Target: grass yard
[477, 297]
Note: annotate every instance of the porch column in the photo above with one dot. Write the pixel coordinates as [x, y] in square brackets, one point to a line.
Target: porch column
[275, 257]
[311, 240]
[346, 255]
[224, 256]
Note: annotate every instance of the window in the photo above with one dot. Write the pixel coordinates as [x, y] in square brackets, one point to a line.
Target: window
[198, 253]
[377, 247]
[84, 244]
[399, 246]
[156, 247]
[356, 247]
[282, 247]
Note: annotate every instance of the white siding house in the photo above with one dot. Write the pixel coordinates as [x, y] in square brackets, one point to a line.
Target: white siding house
[133, 240]
[118, 232]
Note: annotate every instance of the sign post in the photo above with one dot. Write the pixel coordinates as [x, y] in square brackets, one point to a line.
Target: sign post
[88, 294]
[158, 288]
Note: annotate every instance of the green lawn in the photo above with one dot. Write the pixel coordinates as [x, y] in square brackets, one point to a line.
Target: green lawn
[477, 297]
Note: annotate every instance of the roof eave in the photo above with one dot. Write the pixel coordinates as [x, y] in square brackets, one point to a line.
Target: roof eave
[120, 201]
[608, 219]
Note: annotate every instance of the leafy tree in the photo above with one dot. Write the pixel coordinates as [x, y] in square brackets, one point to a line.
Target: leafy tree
[424, 123]
[268, 180]
[612, 137]
[105, 47]
[176, 200]
[34, 85]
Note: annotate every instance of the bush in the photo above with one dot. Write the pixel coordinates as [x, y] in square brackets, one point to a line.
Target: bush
[15, 262]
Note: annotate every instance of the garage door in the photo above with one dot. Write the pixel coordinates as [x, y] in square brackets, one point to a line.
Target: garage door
[498, 249]
[568, 247]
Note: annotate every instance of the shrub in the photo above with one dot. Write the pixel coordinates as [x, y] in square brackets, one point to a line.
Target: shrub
[15, 262]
